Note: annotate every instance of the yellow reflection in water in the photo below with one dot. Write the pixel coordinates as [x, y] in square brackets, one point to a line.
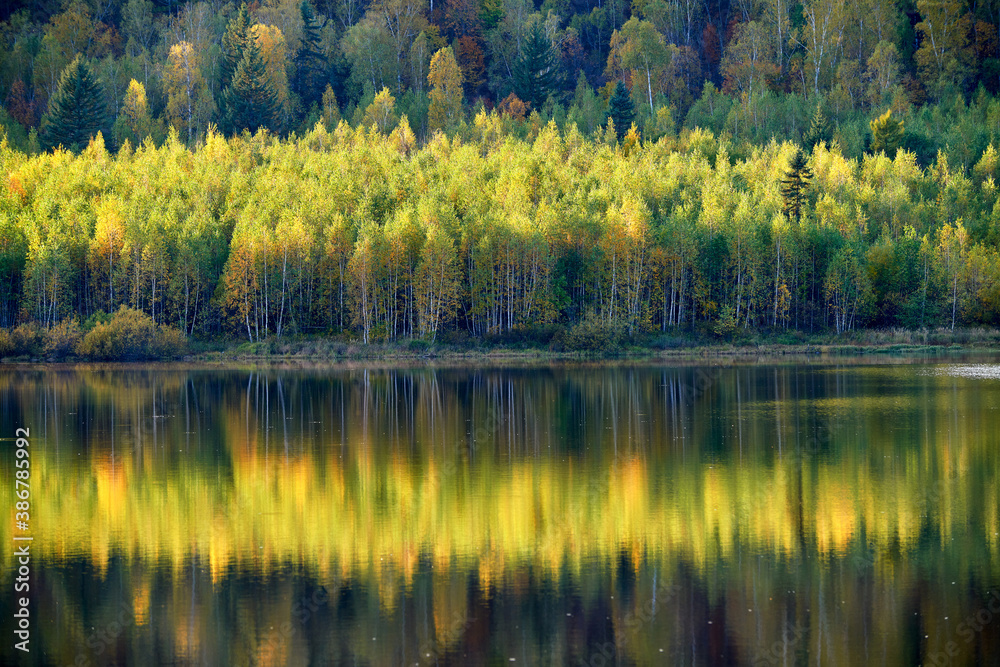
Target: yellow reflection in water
[359, 517]
[347, 502]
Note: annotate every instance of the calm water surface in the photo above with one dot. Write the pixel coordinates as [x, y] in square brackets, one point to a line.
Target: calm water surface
[765, 514]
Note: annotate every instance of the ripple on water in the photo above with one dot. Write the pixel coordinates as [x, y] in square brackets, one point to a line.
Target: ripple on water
[981, 371]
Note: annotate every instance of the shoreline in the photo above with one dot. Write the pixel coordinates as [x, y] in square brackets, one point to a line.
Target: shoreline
[304, 352]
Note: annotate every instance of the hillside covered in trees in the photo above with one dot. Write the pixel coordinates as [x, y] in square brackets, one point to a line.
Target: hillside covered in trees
[752, 69]
[400, 169]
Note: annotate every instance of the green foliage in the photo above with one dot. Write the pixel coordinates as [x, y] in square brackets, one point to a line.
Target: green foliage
[591, 334]
[621, 109]
[710, 111]
[523, 217]
[819, 129]
[310, 65]
[187, 59]
[490, 13]
[234, 43]
[508, 227]
[794, 183]
[77, 110]
[887, 134]
[536, 71]
[251, 100]
[99, 317]
[16, 134]
[853, 58]
[727, 325]
[418, 345]
[530, 336]
[132, 335]
[587, 109]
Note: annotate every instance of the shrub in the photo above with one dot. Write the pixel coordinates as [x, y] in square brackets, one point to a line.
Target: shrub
[418, 345]
[455, 337]
[26, 339]
[533, 335]
[591, 334]
[668, 342]
[131, 335]
[169, 342]
[62, 339]
[726, 326]
[6, 343]
[100, 317]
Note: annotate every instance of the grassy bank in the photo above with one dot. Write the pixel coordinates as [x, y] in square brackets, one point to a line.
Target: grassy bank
[892, 341]
[133, 336]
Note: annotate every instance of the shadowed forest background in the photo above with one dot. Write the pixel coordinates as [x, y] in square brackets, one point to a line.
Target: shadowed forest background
[564, 172]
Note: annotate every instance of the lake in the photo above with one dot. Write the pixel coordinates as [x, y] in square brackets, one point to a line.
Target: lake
[821, 511]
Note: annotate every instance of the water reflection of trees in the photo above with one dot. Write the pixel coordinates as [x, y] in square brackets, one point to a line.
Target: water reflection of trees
[449, 506]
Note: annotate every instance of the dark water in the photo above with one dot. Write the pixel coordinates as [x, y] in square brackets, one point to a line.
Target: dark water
[819, 513]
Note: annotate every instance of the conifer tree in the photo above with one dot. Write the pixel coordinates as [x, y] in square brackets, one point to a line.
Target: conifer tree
[794, 183]
[310, 78]
[621, 109]
[251, 101]
[887, 134]
[77, 111]
[234, 42]
[819, 129]
[536, 71]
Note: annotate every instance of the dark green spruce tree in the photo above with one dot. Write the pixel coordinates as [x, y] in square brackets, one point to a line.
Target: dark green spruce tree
[310, 66]
[234, 45]
[621, 109]
[77, 110]
[251, 102]
[234, 42]
[536, 70]
[793, 185]
[819, 129]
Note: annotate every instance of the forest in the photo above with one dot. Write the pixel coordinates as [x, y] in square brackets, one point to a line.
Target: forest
[404, 170]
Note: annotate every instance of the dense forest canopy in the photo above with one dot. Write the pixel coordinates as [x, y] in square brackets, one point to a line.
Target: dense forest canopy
[751, 69]
[396, 169]
[490, 231]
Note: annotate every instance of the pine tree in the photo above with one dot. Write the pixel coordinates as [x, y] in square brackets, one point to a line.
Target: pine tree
[77, 110]
[621, 109]
[310, 78]
[819, 129]
[234, 42]
[794, 183]
[250, 100]
[536, 71]
[887, 134]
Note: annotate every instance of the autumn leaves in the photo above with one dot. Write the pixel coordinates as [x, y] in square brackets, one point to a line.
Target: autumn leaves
[365, 234]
